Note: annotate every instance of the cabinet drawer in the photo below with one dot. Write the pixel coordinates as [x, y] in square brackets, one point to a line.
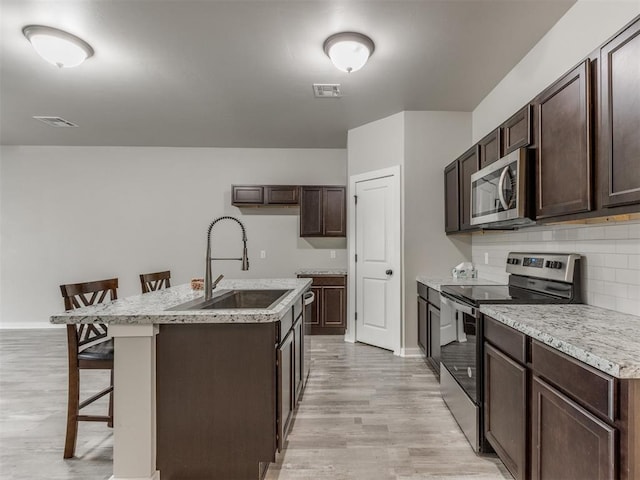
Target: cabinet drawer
[434, 298]
[507, 339]
[590, 387]
[327, 280]
[286, 323]
[423, 290]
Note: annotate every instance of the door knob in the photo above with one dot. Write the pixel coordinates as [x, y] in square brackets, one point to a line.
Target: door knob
[389, 272]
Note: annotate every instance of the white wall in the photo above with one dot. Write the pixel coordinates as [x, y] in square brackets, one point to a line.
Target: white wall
[432, 141]
[586, 25]
[376, 145]
[73, 214]
[611, 263]
[423, 143]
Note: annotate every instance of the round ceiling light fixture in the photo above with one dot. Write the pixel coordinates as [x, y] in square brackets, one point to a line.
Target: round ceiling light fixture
[58, 47]
[349, 51]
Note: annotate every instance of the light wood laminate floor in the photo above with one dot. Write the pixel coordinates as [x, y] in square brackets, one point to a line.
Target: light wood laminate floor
[365, 415]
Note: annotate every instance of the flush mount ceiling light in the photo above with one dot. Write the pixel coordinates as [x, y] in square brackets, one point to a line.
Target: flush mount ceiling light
[57, 46]
[349, 51]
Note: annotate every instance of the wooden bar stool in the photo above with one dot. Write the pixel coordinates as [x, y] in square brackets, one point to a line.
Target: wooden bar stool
[89, 348]
[150, 282]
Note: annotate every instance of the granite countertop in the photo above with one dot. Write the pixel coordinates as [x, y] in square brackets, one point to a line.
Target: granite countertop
[605, 339]
[322, 271]
[151, 308]
[437, 282]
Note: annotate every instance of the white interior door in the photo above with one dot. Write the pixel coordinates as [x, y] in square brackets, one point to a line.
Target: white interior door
[378, 285]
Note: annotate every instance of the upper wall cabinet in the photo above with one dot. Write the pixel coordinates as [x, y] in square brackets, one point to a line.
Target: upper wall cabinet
[467, 165]
[264, 195]
[490, 147]
[323, 211]
[619, 170]
[516, 132]
[563, 156]
[451, 198]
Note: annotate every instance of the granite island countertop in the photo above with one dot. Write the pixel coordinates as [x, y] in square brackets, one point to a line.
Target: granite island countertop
[605, 339]
[151, 308]
[437, 282]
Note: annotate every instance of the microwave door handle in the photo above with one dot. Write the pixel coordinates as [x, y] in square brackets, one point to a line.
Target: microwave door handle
[503, 177]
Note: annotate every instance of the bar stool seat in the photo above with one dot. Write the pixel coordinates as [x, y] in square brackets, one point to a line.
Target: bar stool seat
[100, 351]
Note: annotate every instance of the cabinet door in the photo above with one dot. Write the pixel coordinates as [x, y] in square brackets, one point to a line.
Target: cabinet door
[505, 409]
[422, 324]
[468, 164]
[281, 194]
[316, 308]
[451, 198]
[334, 212]
[620, 116]
[246, 195]
[285, 387]
[333, 311]
[490, 148]
[433, 337]
[298, 347]
[516, 132]
[311, 205]
[563, 156]
[306, 352]
[567, 441]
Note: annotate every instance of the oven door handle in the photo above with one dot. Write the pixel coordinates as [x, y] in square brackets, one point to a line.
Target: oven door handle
[503, 177]
[457, 305]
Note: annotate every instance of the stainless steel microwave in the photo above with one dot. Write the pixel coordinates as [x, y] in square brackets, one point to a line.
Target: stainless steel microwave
[499, 196]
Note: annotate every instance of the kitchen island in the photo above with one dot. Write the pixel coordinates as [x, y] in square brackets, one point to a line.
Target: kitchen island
[202, 393]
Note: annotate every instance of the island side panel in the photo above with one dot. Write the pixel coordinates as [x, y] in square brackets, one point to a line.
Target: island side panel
[216, 400]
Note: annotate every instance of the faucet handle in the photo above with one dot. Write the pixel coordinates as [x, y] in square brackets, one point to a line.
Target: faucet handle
[216, 281]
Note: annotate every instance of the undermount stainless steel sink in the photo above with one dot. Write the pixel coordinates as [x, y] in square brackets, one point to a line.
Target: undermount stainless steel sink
[236, 299]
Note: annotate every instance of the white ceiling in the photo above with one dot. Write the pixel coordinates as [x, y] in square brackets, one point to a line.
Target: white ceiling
[240, 73]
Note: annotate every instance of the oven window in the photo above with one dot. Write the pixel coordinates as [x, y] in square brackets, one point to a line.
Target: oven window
[460, 357]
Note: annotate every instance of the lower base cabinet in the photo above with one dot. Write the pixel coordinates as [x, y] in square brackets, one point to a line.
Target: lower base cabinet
[329, 312]
[227, 394]
[505, 410]
[568, 442]
[551, 417]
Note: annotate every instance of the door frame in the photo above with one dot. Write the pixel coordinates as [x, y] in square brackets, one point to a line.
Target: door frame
[396, 173]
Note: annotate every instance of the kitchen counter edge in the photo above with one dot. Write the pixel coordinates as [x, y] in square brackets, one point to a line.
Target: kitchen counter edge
[151, 308]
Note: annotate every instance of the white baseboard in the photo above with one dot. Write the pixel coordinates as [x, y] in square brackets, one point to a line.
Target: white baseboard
[28, 325]
[411, 352]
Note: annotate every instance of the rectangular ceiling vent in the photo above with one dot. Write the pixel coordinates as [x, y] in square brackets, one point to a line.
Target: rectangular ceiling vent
[55, 121]
[327, 90]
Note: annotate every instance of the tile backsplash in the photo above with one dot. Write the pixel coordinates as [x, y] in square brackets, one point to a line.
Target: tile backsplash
[610, 264]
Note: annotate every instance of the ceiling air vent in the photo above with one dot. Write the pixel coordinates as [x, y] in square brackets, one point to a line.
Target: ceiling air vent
[327, 90]
[55, 121]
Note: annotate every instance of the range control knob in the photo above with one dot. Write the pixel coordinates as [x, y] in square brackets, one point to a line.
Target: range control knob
[548, 264]
[558, 265]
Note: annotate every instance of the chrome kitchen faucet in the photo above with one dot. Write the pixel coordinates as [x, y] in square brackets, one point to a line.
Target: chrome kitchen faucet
[208, 285]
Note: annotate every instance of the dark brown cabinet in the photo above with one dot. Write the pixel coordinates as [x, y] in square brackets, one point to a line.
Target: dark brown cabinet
[429, 326]
[563, 156]
[620, 118]
[323, 211]
[468, 165]
[505, 409]
[285, 379]
[490, 148]
[329, 311]
[298, 368]
[451, 198]
[516, 132]
[264, 195]
[568, 442]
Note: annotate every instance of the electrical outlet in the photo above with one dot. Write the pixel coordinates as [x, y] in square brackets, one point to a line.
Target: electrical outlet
[263, 254]
[332, 254]
[486, 258]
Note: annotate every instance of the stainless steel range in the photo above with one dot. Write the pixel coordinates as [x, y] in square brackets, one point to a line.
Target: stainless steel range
[534, 278]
